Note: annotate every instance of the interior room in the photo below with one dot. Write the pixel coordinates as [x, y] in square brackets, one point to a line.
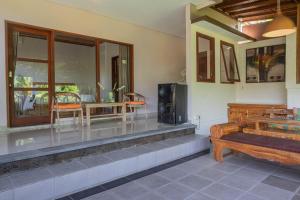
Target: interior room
[158, 100]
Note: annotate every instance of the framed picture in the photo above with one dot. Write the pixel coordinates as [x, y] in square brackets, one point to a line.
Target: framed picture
[265, 64]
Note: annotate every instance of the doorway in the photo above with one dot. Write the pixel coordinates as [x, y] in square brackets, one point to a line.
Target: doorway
[43, 61]
[115, 76]
[28, 75]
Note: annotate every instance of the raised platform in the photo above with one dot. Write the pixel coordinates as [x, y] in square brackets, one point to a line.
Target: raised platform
[92, 172]
[37, 148]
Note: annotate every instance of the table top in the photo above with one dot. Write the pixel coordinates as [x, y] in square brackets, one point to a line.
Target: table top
[274, 120]
[99, 105]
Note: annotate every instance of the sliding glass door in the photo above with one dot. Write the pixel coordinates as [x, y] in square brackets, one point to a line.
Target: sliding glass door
[115, 71]
[28, 75]
[75, 66]
[42, 62]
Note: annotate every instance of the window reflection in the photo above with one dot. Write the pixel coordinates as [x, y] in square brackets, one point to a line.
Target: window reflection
[75, 67]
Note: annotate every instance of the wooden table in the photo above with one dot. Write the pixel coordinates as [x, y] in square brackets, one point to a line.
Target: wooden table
[115, 114]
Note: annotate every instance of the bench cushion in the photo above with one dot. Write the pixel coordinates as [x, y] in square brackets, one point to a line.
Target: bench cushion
[285, 127]
[264, 141]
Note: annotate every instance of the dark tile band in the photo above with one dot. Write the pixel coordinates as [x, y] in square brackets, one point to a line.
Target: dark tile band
[107, 186]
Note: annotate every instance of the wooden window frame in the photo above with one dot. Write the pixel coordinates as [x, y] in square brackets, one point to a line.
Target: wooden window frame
[231, 81]
[51, 71]
[212, 58]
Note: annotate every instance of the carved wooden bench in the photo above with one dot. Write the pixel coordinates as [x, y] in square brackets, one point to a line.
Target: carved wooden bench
[277, 146]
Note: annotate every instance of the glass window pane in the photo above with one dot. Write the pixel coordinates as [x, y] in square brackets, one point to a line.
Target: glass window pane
[31, 75]
[252, 64]
[31, 103]
[31, 46]
[205, 58]
[229, 68]
[75, 69]
[114, 71]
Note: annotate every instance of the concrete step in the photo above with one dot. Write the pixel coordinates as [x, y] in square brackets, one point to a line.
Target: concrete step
[58, 180]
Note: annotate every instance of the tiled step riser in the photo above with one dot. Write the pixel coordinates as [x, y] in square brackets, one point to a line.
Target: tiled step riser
[62, 185]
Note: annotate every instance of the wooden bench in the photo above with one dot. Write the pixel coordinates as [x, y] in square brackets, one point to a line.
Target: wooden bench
[277, 145]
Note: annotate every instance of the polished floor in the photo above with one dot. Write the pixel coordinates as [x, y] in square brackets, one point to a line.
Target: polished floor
[21, 141]
[239, 177]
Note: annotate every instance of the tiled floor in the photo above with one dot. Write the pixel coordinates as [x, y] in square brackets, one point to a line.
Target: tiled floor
[109, 169]
[67, 134]
[239, 177]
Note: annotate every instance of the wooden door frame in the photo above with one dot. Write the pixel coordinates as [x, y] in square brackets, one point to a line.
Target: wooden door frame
[116, 60]
[13, 121]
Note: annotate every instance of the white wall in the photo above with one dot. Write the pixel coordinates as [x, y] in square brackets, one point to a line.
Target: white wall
[207, 100]
[293, 89]
[158, 57]
[259, 92]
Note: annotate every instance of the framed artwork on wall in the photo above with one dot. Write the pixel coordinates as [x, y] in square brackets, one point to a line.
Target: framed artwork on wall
[265, 64]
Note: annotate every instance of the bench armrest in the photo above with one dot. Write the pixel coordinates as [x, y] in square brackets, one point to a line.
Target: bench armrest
[219, 130]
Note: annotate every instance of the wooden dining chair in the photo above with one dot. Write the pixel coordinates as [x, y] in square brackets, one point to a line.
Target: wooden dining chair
[61, 103]
[135, 101]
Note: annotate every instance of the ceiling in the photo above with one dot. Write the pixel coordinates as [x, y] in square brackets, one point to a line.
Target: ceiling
[250, 10]
[167, 16]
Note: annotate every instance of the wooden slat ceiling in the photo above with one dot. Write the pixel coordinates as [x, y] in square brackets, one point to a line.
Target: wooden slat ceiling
[250, 10]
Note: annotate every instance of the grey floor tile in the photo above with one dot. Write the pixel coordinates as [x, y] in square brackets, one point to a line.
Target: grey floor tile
[204, 161]
[153, 181]
[199, 196]
[30, 176]
[282, 183]
[154, 146]
[296, 197]
[173, 173]
[175, 191]
[212, 174]
[195, 182]
[222, 192]
[129, 191]
[151, 196]
[66, 167]
[240, 182]
[107, 195]
[94, 160]
[262, 166]
[119, 154]
[237, 160]
[251, 174]
[270, 192]
[190, 166]
[250, 197]
[292, 174]
[226, 167]
[138, 150]
[5, 183]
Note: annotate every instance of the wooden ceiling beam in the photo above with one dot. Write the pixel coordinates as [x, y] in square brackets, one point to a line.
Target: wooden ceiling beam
[265, 16]
[263, 12]
[222, 25]
[230, 3]
[263, 8]
[249, 6]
